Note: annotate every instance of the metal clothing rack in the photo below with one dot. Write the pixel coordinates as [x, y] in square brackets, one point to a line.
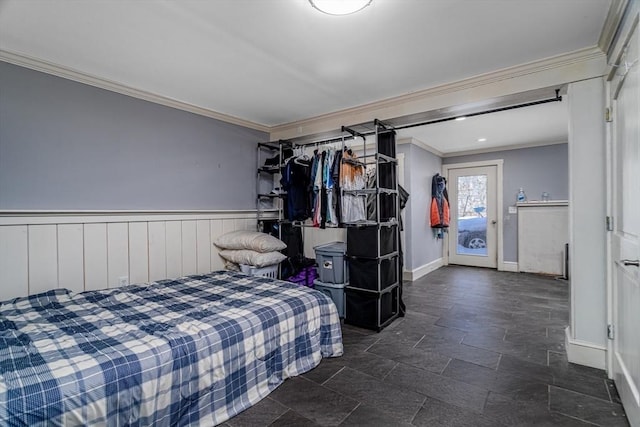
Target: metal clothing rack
[374, 300]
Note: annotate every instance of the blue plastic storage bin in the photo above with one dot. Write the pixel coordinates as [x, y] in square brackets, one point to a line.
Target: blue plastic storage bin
[335, 291]
[332, 266]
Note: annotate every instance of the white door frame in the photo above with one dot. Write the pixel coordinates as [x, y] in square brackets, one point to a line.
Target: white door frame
[615, 80]
[498, 163]
[612, 86]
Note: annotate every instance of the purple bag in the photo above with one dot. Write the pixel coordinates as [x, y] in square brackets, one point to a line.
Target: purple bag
[305, 277]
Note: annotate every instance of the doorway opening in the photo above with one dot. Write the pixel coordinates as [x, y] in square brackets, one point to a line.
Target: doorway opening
[475, 235]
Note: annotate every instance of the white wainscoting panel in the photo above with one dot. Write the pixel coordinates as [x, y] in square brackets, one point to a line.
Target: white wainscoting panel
[42, 250]
[117, 253]
[43, 258]
[203, 246]
[95, 257]
[70, 257]
[217, 229]
[157, 250]
[138, 252]
[14, 261]
[173, 247]
[189, 248]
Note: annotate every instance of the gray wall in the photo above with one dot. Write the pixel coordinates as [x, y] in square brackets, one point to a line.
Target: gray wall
[66, 145]
[535, 169]
[421, 245]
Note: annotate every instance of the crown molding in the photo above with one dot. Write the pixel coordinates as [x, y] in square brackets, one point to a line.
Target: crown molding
[113, 86]
[611, 24]
[567, 60]
[420, 144]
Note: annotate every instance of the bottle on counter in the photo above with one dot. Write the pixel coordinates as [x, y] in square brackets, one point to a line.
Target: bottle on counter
[521, 198]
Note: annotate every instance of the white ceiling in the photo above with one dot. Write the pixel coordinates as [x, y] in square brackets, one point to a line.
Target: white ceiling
[278, 61]
[534, 125]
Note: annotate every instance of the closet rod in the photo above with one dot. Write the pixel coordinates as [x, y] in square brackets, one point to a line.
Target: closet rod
[325, 141]
[557, 98]
[386, 126]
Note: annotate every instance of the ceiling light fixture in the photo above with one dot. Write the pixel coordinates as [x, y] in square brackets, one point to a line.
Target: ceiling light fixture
[340, 7]
[482, 139]
[461, 118]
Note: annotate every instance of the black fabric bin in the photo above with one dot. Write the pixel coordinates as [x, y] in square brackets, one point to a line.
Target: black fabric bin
[387, 143]
[373, 274]
[387, 175]
[388, 207]
[362, 241]
[369, 310]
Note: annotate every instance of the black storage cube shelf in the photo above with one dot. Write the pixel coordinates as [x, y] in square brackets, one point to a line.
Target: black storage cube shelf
[388, 207]
[370, 310]
[362, 241]
[387, 175]
[373, 274]
[387, 143]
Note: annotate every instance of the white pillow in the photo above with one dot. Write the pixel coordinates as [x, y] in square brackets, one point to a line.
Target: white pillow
[248, 257]
[252, 240]
[228, 265]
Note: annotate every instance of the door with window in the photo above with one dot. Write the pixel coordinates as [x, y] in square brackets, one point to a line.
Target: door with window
[473, 208]
[625, 241]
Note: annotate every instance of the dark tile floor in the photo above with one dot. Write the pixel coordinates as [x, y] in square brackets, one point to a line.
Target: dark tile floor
[477, 348]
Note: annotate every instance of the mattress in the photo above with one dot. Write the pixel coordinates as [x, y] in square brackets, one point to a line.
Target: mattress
[191, 351]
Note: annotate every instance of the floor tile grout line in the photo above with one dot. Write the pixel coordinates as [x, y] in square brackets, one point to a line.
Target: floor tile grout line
[328, 379]
[374, 343]
[419, 341]
[445, 367]
[352, 411]
[584, 394]
[573, 417]
[390, 370]
[606, 386]
[419, 409]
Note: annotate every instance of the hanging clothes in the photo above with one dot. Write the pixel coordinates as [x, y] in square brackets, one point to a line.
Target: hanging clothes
[329, 184]
[352, 178]
[403, 198]
[295, 181]
[335, 174]
[439, 215]
[311, 187]
[314, 187]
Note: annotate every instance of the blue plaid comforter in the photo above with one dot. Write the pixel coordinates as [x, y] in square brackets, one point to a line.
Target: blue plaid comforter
[192, 351]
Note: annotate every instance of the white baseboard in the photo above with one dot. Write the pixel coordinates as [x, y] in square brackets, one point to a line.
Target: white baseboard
[510, 266]
[585, 353]
[415, 274]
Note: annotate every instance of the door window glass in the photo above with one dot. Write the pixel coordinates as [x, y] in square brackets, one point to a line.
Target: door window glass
[472, 219]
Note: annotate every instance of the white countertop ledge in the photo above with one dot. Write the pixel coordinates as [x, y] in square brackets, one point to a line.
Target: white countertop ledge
[541, 203]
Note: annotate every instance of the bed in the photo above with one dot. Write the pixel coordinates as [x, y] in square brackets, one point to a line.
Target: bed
[192, 351]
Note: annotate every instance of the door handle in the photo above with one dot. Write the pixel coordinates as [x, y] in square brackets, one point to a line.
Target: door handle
[494, 222]
[634, 262]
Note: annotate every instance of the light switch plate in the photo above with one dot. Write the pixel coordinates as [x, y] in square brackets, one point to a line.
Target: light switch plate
[513, 210]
